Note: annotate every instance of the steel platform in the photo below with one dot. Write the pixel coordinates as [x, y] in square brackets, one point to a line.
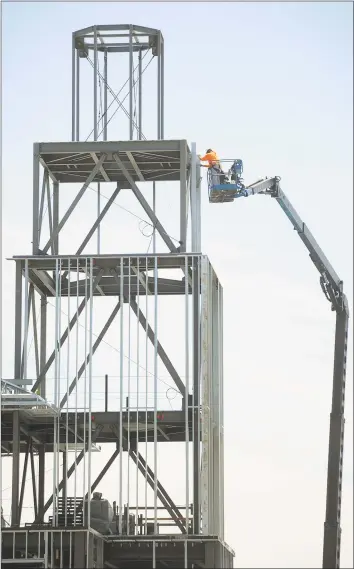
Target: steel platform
[171, 428]
[148, 160]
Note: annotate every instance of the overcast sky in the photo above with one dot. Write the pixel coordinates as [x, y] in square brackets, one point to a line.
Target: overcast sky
[270, 83]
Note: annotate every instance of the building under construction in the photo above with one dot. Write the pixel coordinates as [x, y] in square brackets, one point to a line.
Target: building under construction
[71, 418]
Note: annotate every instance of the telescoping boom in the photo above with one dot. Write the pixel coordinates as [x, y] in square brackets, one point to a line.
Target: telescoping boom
[332, 287]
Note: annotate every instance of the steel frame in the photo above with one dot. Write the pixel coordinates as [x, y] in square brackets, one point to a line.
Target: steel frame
[122, 39]
[61, 412]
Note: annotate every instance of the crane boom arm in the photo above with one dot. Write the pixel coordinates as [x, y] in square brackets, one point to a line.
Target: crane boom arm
[332, 286]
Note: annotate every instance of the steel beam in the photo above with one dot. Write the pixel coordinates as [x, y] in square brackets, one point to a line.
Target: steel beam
[161, 352]
[33, 475]
[145, 205]
[44, 368]
[76, 200]
[77, 461]
[161, 492]
[94, 348]
[23, 483]
[98, 221]
[145, 146]
[103, 471]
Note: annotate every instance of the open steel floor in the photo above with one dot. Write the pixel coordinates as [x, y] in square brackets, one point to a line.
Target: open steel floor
[72, 162]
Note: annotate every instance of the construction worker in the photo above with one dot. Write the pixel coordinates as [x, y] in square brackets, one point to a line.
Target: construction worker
[217, 175]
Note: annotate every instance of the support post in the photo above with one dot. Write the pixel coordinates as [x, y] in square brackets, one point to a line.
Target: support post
[162, 88]
[196, 396]
[105, 92]
[140, 91]
[41, 482]
[183, 197]
[131, 70]
[95, 56]
[73, 88]
[35, 221]
[77, 96]
[18, 320]
[159, 86]
[55, 246]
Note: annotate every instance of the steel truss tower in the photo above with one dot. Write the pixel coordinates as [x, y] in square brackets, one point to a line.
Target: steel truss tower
[99, 333]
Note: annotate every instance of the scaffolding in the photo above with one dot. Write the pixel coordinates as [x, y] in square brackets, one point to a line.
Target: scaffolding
[124, 381]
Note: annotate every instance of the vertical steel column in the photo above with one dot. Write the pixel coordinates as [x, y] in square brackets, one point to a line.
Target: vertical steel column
[73, 88]
[41, 482]
[105, 93]
[193, 199]
[131, 72]
[35, 221]
[55, 244]
[140, 87]
[332, 529]
[18, 320]
[95, 53]
[183, 196]
[77, 114]
[159, 86]
[15, 469]
[162, 88]
[196, 395]
[43, 345]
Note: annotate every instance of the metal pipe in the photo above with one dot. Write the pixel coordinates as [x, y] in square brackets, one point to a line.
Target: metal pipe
[146, 382]
[65, 453]
[90, 396]
[128, 398]
[154, 210]
[76, 374]
[186, 398]
[106, 393]
[137, 389]
[98, 215]
[155, 387]
[121, 301]
[85, 393]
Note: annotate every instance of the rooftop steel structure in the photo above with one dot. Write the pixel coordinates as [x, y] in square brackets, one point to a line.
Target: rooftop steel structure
[84, 419]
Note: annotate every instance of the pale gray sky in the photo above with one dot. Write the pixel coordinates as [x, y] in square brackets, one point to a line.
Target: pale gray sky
[283, 103]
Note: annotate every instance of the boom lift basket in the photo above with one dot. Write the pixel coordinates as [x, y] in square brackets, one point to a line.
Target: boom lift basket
[221, 191]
